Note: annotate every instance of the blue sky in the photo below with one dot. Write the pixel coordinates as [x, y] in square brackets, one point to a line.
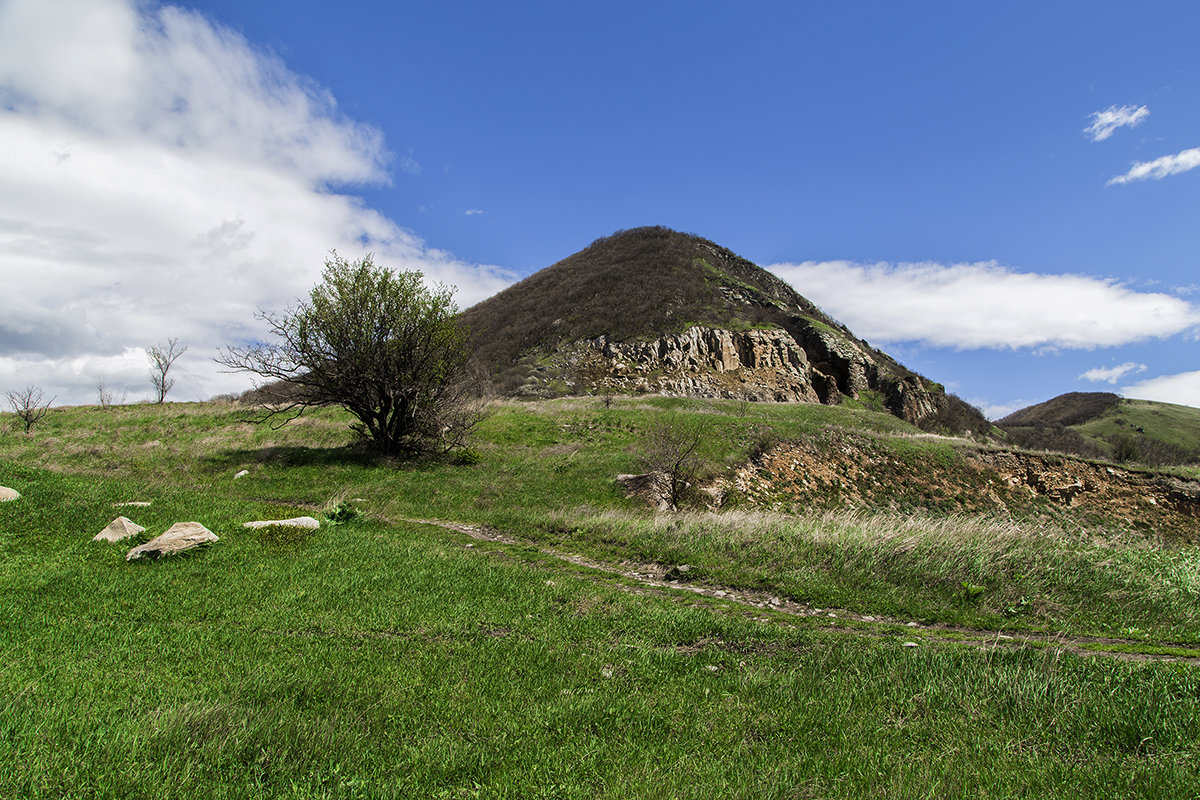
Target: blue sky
[1004, 196]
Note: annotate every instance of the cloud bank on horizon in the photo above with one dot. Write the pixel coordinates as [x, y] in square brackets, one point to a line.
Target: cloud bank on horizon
[988, 306]
[163, 178]
[973, 306]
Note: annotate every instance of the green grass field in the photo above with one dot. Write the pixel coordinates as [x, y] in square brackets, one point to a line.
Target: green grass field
[385, 657]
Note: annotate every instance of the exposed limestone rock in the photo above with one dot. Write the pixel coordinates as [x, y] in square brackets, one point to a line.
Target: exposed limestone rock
[7, 494]
[765, 365]
[179, 537]
[120, 528]
[132, 503]
[814, 363]
[295, 522]
[241, 474]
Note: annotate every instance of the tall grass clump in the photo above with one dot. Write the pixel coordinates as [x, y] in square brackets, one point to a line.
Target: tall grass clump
[958, 569]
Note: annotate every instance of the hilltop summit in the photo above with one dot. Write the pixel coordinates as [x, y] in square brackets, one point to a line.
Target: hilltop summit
[651, 310]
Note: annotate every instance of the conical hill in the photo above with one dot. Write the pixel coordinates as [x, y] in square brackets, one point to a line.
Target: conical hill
[651, 310]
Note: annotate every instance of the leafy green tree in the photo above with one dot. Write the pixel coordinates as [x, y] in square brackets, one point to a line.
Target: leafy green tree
[382, 345]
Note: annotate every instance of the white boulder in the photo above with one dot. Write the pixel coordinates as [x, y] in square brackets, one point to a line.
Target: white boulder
[179, 537]
[120, 528]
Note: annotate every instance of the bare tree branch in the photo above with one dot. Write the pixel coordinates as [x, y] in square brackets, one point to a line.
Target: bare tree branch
[28, 405]
[162, 356]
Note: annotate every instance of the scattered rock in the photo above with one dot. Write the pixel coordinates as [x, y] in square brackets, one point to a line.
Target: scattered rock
[911, 644]
[132, 503]
[7, 494]
[120, 528]
[241, 474]
[677, 573]
[179, 537]
[295, 522]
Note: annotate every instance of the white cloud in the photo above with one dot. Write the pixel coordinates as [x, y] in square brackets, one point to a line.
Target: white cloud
[969, 306]
[470, 212]
[1160, 168]
[1106, 122]
[160, 177]
[995, 411]
[1182, 389]
[1112, 374]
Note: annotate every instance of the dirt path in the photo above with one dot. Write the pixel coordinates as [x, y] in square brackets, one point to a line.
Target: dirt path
[768, 608]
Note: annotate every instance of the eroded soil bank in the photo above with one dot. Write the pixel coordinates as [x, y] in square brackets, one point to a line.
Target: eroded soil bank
[840, 468]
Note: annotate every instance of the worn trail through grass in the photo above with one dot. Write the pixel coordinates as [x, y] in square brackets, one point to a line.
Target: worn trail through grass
[766, 607]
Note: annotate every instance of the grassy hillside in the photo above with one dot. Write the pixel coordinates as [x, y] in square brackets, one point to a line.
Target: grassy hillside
[559, 639]
[1105, 425]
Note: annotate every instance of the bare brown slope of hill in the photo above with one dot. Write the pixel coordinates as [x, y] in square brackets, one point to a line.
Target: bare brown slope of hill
[651, 310]
[841, 468]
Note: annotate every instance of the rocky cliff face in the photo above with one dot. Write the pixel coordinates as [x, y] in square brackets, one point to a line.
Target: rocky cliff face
[760, 365]
[768, 364]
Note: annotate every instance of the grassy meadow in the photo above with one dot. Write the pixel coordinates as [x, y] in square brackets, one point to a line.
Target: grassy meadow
[388, 657]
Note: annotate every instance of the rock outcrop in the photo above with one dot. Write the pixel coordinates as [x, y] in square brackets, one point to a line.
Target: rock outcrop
[7, 494]
[766, 364]
[705, 362]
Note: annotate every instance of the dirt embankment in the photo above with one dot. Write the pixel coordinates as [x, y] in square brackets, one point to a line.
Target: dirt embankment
[846, 469]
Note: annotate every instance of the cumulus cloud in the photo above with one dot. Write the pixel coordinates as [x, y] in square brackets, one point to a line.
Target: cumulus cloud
[1160, 168]
[1112, 374]
[163, 178]
[1182, 388]
[984, 305]
[1106, 122]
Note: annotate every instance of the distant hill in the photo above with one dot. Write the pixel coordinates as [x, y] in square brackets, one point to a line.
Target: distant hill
[1106, 425]
[651, 310]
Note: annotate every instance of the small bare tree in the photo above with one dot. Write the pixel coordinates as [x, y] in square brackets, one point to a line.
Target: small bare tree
[107, 395]
[162, 356]
[671, 450]
[27, 403]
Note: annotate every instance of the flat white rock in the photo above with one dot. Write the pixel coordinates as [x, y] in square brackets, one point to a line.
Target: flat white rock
[179, 537]
[241, 474]
[295, 522]
[7, 494]
[120, 528]
[136, 503]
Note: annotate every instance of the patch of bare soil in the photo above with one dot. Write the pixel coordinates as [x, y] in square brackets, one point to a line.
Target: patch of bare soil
[846, 469]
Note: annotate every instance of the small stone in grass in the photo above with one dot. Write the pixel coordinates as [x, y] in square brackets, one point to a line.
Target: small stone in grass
[7, 494]
[295, 522]
[120, 528]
